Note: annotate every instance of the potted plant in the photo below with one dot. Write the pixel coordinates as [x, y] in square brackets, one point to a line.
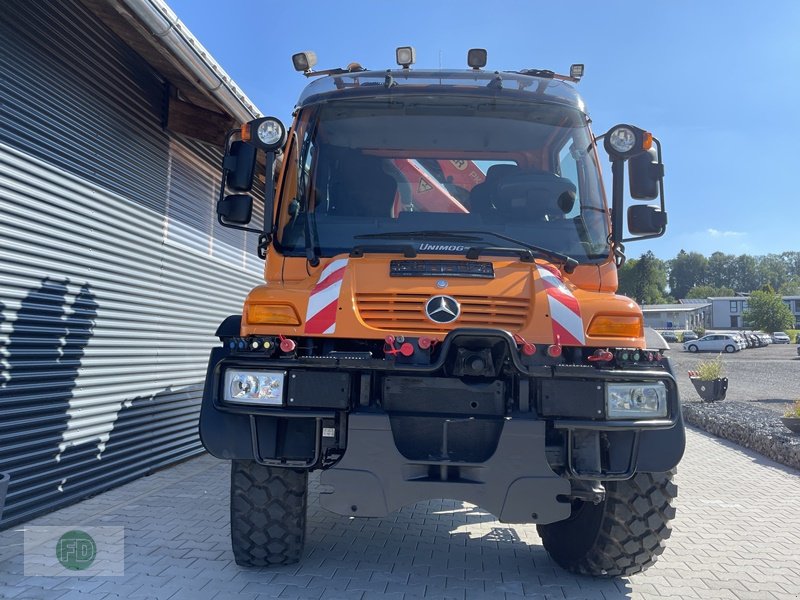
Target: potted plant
[792, 417]
[708, 380]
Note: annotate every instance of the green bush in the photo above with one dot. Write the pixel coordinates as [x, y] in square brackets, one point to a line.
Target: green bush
[709, 370]
[793, 410]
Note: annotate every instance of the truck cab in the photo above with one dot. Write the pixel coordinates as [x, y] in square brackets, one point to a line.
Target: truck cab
[439, 316]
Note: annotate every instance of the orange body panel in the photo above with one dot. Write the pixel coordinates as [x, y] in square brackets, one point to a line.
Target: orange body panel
[372, 304]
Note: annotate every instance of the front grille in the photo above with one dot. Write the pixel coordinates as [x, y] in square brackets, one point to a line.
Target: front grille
[406, 312]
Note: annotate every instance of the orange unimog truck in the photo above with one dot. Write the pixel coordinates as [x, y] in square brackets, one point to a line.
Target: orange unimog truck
[470, 348]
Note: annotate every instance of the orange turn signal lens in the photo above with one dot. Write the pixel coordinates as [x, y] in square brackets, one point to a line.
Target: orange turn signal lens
[616, 326]
[246, 137]
[647, 140]
[273, 314]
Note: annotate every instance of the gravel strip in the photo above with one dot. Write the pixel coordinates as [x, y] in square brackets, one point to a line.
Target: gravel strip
[753, 427]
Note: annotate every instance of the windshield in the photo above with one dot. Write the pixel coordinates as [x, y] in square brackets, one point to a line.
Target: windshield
[442, 164]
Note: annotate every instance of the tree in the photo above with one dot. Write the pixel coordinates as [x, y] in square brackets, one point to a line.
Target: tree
[772, 270]
[644, 279]
[745, 274]
[720, 270]
[767, 311]
[708, 291]
[686, 271]
[791, 287]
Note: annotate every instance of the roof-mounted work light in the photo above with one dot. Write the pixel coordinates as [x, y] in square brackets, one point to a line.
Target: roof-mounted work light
[406, 56]
[476, 58]
[576, 71]
[304, 61]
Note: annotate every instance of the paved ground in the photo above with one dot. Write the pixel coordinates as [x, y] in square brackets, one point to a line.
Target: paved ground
[769, 377]
[737, 535]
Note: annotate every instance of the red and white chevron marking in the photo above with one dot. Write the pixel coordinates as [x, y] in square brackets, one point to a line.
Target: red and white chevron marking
[565, 312]
[323, 303]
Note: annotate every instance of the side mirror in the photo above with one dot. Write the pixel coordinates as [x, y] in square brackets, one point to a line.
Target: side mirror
[236, 209]
[644, 175]
[241, 163]
[646, 220]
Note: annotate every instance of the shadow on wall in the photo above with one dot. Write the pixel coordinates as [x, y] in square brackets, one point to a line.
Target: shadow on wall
[43, 356]
[56, 450]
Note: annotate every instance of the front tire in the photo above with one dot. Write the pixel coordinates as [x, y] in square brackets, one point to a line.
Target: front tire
[268, 514]
[730, 349]
[692, 348]
[622, 535]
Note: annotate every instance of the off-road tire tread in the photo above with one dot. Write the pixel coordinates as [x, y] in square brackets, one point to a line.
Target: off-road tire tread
[268, 514]
[635, 523]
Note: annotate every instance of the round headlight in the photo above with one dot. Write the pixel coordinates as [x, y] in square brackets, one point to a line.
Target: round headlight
[622, 139]
[270, 132]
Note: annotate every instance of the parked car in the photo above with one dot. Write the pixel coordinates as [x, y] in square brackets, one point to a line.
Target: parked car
[740, 337]
[689, 335]
[779, 337]
[715, 342]
[669, 336]
[766, 338]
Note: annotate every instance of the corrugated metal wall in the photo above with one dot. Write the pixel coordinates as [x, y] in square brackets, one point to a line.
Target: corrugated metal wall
[108, 302]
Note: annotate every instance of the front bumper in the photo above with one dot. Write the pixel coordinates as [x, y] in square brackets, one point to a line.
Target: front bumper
[352, 418]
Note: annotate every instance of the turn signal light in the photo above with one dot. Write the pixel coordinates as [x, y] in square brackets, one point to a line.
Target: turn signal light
[616, 326]
[273, 314]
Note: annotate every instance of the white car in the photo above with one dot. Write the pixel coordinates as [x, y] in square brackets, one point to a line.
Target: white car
[715, 342]
[779, 337]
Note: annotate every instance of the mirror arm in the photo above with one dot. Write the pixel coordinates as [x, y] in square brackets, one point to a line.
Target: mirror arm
[617, 199]
[226, 166]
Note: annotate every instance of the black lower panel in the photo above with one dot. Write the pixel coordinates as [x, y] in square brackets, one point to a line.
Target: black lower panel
[446, 438]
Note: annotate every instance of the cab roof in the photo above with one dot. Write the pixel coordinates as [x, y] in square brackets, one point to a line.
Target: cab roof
[531, 86]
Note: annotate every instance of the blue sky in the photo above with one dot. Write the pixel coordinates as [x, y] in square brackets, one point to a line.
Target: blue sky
[716, 82]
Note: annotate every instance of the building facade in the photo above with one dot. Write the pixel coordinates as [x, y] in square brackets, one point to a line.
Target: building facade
[677, 316]
[728, 311]
[114, 273]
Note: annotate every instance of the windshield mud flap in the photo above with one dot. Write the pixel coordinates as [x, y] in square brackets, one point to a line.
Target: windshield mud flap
[516, 483]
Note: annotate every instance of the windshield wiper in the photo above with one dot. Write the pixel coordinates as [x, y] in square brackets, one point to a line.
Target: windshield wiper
[475, 251]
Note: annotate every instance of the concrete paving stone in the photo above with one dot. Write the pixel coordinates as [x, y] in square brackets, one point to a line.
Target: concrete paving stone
[367, 586]
[262, 589]
[294, 591]
[38, 593]
[79, 595]
[334, 595]
[406, 588]
[9, 591]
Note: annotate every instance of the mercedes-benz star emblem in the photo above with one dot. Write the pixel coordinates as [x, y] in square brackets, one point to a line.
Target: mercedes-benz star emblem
[442, 309]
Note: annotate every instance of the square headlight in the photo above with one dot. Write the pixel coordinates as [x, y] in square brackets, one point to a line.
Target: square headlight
[254, 387]
[636, 400]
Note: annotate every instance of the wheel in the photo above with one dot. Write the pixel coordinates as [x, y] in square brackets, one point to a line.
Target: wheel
[622, 535]
[268, 514]
[730, 349]
[692, 348]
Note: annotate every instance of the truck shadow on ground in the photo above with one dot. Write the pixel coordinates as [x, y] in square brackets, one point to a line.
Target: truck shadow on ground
[441, 547]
